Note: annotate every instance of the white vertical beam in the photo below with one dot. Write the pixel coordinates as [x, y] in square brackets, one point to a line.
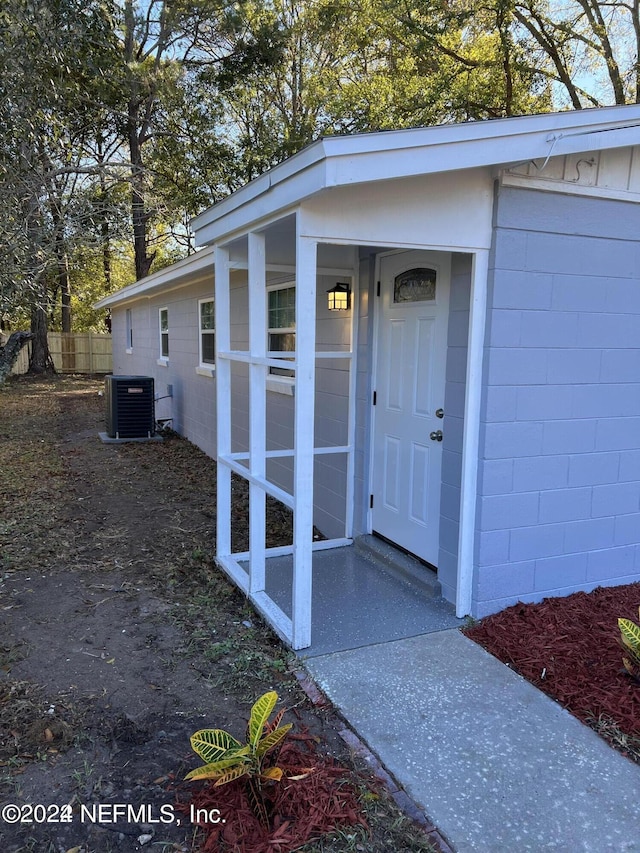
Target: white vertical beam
[257, 409]
[471, 432]
[353, 373]
[223, 400]
[306, 253]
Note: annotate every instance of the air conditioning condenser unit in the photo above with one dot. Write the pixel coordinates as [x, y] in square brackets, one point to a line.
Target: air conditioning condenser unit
[130, 406]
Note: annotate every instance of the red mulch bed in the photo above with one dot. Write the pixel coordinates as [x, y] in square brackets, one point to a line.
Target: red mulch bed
[299, 809]
[568, 647]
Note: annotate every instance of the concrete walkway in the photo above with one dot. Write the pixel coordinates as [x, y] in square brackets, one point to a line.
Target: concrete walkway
[495, 764]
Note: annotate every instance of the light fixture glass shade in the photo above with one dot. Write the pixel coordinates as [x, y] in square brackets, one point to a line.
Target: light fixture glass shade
[339, 297]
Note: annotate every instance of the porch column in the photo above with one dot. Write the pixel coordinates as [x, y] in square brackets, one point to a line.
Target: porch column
[306, 253]
[257, 410]
[471, 432]
[223, 401]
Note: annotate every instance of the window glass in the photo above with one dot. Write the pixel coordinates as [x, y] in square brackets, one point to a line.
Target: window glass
[129, 329]
[207, 332]
[164, 332]
[282, 323]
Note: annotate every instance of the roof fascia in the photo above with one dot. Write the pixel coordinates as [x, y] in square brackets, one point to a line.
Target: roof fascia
[295, 165]
[193, 269]
[345, 160]
[601, 118]
[454, 155]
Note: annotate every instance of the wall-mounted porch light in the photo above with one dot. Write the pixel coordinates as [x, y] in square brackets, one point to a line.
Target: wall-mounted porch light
[339, 297]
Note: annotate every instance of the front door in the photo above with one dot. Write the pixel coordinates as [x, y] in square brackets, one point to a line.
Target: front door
[408, 416]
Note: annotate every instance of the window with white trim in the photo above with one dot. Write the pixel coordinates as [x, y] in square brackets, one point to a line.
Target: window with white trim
[164, 333]
[129, 330]
[207, 332]
[281, 323]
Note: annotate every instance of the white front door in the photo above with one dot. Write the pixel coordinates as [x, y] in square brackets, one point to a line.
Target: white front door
[413, 310]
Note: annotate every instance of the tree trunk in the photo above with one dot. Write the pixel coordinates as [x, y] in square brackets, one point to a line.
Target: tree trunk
[139, 111]
[10, 352]
[40, 361]
[65, 290]
[105, 232]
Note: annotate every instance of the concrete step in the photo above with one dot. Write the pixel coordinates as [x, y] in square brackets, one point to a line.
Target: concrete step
[399, 564]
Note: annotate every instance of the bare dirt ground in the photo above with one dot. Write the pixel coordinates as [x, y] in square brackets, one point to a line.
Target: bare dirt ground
[119, 638]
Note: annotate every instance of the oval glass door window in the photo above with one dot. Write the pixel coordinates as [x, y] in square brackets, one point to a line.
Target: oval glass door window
[416, 285]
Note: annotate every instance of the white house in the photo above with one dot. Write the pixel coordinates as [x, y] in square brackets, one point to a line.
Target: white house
[478, 402]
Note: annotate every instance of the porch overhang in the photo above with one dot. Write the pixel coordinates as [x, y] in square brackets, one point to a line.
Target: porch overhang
[336, 161]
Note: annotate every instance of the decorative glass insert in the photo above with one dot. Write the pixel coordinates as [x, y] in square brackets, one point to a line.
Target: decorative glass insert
[416, 285]
[207, 333]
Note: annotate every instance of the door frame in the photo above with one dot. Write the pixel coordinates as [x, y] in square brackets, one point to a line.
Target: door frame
[375, 352]
[472, 405]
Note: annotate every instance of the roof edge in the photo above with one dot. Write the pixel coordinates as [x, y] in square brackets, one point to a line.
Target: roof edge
[178, 274]
[483, 143]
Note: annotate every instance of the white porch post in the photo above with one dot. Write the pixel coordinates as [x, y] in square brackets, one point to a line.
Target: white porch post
[223, 401]
[257, 410]
[306, 259]
[471, 434]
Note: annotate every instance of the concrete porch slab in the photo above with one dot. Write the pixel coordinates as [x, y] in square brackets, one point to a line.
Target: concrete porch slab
[358, 600]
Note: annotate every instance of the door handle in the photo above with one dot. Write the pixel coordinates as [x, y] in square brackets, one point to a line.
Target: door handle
[436, 435]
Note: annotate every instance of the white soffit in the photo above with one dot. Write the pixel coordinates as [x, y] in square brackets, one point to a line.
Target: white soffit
[348, 160]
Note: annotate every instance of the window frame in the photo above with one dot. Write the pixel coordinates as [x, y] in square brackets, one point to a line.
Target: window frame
[205, 367]
[280, 381]
[163, 335]
[128, 330]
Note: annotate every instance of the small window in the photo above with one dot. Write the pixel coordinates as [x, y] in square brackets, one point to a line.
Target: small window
[164, 333]
[129, 330]
[281, 321]
[207, 332]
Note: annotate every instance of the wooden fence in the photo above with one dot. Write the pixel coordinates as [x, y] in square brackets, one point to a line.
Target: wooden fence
[82, 352]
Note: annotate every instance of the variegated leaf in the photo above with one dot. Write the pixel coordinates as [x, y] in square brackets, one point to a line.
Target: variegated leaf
[259, 716]
[630, 634]
[217, 769]
[231, 774]
[212, 744]
[272, 739]
[273, 725]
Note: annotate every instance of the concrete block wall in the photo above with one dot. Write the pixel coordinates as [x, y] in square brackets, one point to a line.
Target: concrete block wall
[559, 470]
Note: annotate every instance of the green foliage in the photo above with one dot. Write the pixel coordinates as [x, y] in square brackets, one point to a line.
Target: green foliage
[121, 119]
[630, 641]
[228, 759]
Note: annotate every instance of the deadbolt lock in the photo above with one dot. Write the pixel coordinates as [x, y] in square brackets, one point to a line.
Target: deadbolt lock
[436, 435]
[439, 413]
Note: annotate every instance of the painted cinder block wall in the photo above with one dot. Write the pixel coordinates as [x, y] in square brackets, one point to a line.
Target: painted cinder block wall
[559, 468]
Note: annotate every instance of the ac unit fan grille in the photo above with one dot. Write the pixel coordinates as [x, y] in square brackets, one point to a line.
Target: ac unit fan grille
[130, 406]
